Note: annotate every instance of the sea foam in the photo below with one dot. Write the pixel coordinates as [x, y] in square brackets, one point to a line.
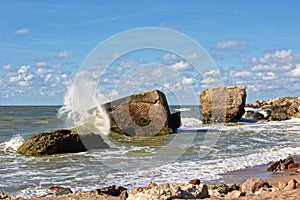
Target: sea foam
[13, 143]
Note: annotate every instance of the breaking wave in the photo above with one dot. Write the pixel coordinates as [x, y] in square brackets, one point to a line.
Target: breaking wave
[82, 105]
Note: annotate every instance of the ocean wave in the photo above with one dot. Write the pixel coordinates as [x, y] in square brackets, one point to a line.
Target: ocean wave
[13, 143]
[182, 109]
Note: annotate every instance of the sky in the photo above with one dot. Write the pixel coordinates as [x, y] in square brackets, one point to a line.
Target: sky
[43, 45]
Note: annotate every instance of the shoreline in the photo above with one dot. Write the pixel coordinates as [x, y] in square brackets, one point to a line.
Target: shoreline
[274, 179]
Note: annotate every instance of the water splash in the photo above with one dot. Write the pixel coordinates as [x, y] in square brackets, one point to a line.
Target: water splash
[82, 105]
[13, 144]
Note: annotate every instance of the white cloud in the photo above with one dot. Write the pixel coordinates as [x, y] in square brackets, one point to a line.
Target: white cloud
[23, 83]
[267, 76]
[193, 56]
[169, 57]
[64, 54]
[39, 71]
[187, 81]
[237, 74]
[22, 31]
[180, 66]
[8, 66]
[56, 66]
[212, 72]
[23, 69]
[211, 78]
[115, 55]
[64, 76]
[230, 44]
[47, 78]
[40, 64]
[294, 72]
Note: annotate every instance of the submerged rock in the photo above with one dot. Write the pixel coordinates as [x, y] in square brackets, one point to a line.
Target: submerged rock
[223, 104]
[60, 141]
[143, 114]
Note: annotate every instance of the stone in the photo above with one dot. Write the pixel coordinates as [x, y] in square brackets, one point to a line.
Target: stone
[195, 182]
[293, 166]
[60, 190]
[223, 104]
[252, 185]
[3, 195]
[281, 164]
[282, 185]
[60, 141]
[280, 108]
[151, 184]
[291, 185]
[114, 190]
[143, 114]
[170, 191]
[234, 194]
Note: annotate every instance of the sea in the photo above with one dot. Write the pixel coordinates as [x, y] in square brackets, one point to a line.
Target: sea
[211, 153]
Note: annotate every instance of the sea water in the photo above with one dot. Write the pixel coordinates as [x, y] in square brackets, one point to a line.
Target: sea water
[195, 151]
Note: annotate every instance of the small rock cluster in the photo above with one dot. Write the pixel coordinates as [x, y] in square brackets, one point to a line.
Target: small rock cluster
[278, 109]
[195, 190]
[170, 191]
[287, 163]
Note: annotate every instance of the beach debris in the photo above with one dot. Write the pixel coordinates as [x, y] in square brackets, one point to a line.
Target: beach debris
[283, 164]
[60, 190]
[170, 191]
[252, 185]
[223, 104]
[195, 181]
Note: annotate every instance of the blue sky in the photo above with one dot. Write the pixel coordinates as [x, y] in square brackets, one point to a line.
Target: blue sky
[44, 43]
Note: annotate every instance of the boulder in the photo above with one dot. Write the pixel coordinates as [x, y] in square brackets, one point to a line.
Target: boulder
[252, 185]
[291, 185]
[143, 114]
[60, 141]
[281, 164]
[279, 109]
[223, 104]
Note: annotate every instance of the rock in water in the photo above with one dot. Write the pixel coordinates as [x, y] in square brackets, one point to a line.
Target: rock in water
[143, 114]
[60, 141]
[279, 109]
[223, 104]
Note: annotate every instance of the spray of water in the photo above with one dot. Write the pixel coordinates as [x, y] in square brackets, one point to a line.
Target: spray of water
[13, 143]
[82, 105]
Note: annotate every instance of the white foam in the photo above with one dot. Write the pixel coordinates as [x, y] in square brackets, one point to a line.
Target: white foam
[13, 143]
[256, 110]
[82, 104]
[182, 109]
[190, 123]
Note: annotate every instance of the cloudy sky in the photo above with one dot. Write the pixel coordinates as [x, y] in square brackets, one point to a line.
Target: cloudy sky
[44, 43]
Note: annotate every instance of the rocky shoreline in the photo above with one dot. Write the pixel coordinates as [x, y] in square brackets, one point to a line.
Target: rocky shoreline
[250, 188]
[282, 187]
